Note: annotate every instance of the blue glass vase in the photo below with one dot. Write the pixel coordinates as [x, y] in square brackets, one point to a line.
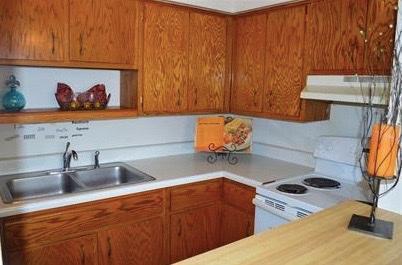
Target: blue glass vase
[13, 100]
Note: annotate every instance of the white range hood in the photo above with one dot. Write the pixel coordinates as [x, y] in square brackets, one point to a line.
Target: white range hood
[348, 89]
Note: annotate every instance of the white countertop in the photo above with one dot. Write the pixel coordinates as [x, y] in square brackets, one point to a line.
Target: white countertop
[252, 170]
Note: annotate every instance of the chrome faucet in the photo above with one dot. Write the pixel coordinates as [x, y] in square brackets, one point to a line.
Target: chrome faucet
[67, 157]
[97, 159]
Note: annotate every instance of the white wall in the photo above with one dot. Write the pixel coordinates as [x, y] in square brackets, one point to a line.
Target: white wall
[231, 6]
[296, 141]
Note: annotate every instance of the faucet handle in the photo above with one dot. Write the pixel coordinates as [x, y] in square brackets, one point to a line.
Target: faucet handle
[97, 153]
[74, 154]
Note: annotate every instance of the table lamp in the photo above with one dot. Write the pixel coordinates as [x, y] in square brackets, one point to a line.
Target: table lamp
[382, 162]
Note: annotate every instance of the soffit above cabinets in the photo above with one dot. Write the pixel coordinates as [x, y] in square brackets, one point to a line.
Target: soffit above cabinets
[230, 6]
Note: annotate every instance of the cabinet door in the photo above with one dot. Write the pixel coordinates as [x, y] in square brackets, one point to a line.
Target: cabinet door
[236, 224]
[166, 31]
[139, 243]
[78, 251]
[33, 29]
[284, 61]
[249, 63]
[335, 43]
[194, 232]
[381, 24]
[207, 60]
[103, 31]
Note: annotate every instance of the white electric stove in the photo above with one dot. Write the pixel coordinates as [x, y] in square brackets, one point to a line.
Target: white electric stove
[336, 178]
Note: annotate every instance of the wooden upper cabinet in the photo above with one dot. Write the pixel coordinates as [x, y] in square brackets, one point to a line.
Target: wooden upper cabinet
[284, 61]
[33, 29]
[77, 251]
[381, 24]
[335, 43]
[207, 62]
[103, 31]
[165, 77]
[131, 244]
[249, 63]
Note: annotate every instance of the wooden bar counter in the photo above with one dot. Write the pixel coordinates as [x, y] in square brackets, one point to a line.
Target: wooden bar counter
[322, 238]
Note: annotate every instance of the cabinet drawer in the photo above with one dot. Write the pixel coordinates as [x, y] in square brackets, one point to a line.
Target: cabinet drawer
[195, 194]
[239, 195]
[56, 224]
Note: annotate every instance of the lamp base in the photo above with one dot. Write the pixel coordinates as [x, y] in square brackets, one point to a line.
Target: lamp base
[380, 228]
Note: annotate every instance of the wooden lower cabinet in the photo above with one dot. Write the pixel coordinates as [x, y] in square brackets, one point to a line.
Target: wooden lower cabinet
[194, 231]
[124, 230]
[153, 228]
[77, 251]
[138, 243]
[236, 224]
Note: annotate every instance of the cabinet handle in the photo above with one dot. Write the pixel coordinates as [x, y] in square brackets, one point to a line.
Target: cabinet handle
[254, 97]
[178, 103]
[196, 96]
[53, 43]
[82, 251]
[179, 233]
[109, 246]
[248, 228]
[81, 44]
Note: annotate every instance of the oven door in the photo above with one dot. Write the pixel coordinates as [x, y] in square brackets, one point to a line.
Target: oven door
[266, 217]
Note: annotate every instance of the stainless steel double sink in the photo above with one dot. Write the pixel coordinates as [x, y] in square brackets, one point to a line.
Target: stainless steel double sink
[46, 184]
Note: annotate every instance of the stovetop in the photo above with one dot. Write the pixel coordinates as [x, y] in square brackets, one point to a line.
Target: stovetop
[313, 199]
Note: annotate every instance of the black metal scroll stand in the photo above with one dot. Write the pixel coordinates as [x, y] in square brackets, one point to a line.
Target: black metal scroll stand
[370, 225]
[222, 152]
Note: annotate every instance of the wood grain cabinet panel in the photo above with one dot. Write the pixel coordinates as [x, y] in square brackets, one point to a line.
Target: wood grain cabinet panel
[103, 31]
[33, 29]
[194, 232]
[166, 42]
[239, 195]
[249, 63]
[284, 61]
[191, 195]
[78, 251]
[131, 244]
[335, 43]
[207, 62]
[43, 228]
[236, 224]
[381, 24]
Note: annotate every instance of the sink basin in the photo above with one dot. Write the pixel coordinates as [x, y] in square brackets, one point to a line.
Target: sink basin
[111, 176]
[39, 186]
[45, 184]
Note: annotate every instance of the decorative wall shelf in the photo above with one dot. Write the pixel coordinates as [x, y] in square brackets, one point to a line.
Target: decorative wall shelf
[55, 115]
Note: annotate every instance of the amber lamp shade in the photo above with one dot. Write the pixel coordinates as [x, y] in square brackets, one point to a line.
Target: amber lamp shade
[383, 150]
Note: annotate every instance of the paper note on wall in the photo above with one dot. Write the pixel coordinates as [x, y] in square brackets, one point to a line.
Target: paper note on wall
[230, 134]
